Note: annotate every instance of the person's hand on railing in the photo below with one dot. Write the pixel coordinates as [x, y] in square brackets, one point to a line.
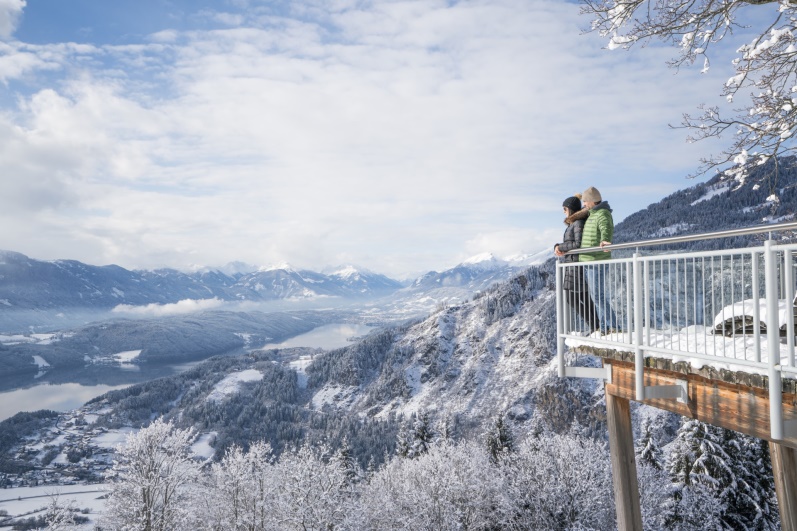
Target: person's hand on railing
[604, 244]
[557, 252]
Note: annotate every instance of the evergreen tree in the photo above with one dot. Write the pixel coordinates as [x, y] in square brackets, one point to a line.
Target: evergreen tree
[445, 430]
[422, 435]
[712, 462]
[499, 439]
[404, 441]
[756, 471]
[647, 450]
[347, 463]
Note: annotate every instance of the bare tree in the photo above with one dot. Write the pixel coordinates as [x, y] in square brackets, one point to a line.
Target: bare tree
[766, 66]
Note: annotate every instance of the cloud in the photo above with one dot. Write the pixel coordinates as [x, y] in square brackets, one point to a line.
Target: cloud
[177, 308]
[10, 12]
[401, 136]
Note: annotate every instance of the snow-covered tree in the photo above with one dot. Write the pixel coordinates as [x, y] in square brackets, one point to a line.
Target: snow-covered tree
[559, 482]
[765, 66]
[450, 487]
[240, 490]
[422, 434]
[647, 450]
[499, 439]
[345, 460]
[415, 437]
[152, 480]
[311, 490]
[707, 462]
[60, 515]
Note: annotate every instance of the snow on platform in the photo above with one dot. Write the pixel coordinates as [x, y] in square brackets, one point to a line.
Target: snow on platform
[686, 344]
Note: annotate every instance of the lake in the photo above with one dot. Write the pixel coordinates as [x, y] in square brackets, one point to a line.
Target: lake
[327, 337]
[68, 396]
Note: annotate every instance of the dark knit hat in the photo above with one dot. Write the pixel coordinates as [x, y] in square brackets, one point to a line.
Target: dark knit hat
[573, 203]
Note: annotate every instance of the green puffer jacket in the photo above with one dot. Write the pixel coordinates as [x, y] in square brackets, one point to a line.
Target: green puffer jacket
[598, 228]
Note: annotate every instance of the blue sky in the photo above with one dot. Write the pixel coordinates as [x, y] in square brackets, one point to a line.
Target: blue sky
[402, 136]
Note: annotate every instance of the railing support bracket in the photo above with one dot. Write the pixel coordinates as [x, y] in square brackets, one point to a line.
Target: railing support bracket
[679, 391]
[599, 373]
[790, 428]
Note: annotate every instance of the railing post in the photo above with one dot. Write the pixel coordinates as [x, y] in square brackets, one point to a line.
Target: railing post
[629, 316]
[773, 342]
[560, 325]
[756, 309]
[788, 294]
[637, 330]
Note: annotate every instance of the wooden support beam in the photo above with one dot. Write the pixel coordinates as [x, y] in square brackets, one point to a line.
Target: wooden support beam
[621, 446]
[784, 468]
[732, 406]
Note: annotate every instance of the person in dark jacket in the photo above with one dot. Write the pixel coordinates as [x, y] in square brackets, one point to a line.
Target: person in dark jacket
[576, 293]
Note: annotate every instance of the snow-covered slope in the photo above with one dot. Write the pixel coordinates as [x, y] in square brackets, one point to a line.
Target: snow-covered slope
[472, 361]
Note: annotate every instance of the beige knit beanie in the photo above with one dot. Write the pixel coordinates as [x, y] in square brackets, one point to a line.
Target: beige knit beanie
[592, 195]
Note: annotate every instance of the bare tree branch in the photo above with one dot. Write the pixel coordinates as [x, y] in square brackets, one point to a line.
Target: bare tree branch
[766, 67]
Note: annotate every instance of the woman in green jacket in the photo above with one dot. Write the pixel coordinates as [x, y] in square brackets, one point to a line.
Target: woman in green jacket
[598, 232]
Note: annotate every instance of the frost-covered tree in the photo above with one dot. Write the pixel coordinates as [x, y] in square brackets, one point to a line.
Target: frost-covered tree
[654, 496]
[560, 482]
[707, 462]
[312, 491]
[499, 439]
[451, 487]
[422, 435]
[345, 460]
[766, 66]
[415, 437]
[240, 490]
[60, 516]
[764, 482]
[647, 450]
[152, 481]
[755, 506]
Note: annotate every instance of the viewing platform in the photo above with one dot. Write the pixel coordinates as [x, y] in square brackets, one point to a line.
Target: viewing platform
[709, 335]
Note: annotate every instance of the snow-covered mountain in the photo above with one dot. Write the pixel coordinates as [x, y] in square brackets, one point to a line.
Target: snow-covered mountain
[34, 285]
[29, 284]
[458, 284]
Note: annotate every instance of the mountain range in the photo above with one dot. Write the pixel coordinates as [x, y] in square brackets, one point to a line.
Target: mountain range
[27, 284]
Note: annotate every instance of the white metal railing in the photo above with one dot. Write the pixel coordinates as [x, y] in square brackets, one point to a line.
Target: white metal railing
[731, 309]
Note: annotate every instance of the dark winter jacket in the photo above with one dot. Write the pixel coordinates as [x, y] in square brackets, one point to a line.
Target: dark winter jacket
[573, 279]
[598, 228]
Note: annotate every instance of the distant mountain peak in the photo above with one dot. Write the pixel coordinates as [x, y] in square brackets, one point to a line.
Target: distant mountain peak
[346, 271]
[280, 266]
[481, 258]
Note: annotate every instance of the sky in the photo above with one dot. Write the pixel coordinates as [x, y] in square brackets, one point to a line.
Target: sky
[400, 136]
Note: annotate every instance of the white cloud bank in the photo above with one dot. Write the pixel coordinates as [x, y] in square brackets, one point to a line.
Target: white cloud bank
[10, 11]
[177, 308]
[403, 136]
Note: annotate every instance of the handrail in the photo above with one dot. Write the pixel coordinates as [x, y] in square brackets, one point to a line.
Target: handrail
[758, 229]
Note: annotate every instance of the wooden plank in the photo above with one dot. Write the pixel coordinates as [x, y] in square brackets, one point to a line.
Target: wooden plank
[621, 447]
[784, 468]
[732, 406]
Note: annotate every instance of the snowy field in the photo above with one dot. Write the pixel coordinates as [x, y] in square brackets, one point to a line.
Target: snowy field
[29, 502]
[230, 384]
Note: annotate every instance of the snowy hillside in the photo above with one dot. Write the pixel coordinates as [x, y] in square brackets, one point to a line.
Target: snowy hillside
[721, 203]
